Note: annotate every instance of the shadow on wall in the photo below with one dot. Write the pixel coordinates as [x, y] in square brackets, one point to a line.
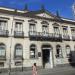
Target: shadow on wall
[71, 58]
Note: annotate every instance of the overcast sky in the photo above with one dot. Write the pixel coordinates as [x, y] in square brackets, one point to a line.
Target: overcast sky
[63, 6]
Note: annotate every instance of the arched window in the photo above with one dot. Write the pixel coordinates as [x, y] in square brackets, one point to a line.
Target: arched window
[18, 50]
[58, 51]
[2, 50]
[68, 50]
[33, 51]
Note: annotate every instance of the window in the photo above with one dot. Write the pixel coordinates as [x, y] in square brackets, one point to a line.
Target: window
[32, 27]
[1, 64]
[33, 51]
[2, 50]
[65, 30]
[18, 63]
[58, 51]
[3, 25]
[18, 50]
[18, 26]
[73, 32]
[68, 50]
[56, 30]
[45, 29]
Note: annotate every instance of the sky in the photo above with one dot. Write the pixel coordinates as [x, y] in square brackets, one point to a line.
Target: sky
[63, 6]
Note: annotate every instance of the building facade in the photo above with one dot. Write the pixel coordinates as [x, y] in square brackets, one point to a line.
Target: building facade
[27, 37]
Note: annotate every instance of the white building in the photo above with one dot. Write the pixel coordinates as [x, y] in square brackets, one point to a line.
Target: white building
[27, 37]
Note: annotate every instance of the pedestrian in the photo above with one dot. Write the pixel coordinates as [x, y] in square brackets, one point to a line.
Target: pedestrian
[34, 69]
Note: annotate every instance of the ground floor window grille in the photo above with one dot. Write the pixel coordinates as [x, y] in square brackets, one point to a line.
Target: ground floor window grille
[18, 63]
[33, 51]
[58, 51]
[1, 64]
[68, 50]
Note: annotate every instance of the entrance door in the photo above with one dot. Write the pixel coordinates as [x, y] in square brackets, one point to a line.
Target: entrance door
[46, 58]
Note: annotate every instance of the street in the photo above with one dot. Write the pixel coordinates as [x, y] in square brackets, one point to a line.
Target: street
[68, 72]
[55, 71]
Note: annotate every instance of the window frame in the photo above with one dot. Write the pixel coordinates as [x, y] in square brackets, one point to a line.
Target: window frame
[35, 56]
[4, 50]
[45, 28]
[4, 26]
[16, 55]
[59, 54]
[19, 26]
[68, 53]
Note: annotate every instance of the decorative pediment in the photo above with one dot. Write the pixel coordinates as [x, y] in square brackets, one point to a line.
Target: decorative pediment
[32, 21]
[45, 22]
[55, 24]
[44, 15]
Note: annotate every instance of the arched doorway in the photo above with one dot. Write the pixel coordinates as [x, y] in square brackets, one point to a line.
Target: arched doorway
[47, 56]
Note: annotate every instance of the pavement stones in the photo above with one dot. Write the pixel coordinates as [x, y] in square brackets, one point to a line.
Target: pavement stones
[42, 71]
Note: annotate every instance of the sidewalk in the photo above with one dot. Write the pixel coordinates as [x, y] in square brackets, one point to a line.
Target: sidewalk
[41, 71]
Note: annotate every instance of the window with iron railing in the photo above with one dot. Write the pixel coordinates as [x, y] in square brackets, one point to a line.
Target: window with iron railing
[18, 29]
[32, 27]
[45, 30]
[65, 31]
[18, 26]
[3, 25]
[73, 32]
[56, 30]
[3, 28]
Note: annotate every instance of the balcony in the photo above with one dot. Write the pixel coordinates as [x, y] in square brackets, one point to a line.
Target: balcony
[66, 37]
[41, 36]
[2, 57]
[73, 37]
[18, 34]
[4, 33]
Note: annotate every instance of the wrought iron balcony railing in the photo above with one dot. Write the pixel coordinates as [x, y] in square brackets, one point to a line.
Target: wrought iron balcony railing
[2, 57]
[66, 37]
[41, 36]
[18, 34]
[4, 33]
[73, 37]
